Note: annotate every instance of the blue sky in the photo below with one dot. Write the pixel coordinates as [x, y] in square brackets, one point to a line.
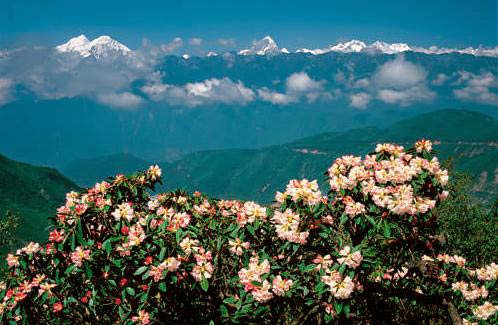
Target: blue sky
[454, 23]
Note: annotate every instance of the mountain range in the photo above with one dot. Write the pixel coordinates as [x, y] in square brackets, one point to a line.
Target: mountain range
[104, 46]
[100, 47]
[469, 138]
[67, 106]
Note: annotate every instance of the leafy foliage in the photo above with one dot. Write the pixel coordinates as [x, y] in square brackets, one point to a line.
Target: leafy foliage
[471, 229]
[33, 193]
[116, 254]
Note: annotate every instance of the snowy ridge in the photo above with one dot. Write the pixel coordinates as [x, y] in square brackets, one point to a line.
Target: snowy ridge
[100, 47]
[355, 46]
[265, 46]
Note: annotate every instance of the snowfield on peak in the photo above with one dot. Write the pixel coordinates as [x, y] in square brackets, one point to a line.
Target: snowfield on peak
[265, 46]
[355, 46]
[100, 47]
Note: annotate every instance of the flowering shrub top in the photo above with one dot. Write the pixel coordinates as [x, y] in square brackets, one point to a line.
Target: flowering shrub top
[118, 254]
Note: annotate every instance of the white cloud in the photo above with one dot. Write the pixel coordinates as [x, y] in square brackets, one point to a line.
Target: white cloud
[401, 82]
[300, 82]
[209, 91]
[221, 90]
[440, 79]
[228, 42]
[362, 83]
[396, 82]
[274, 97]
[6, 86]
[360, 100]
[477, 88]
[172, 46]
[406, 97]
[298, 85]
[195, 41]
[399, 74]
[125, 100]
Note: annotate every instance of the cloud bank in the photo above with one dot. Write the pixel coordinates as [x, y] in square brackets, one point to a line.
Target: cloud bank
[130, 81]
[298, 86]
[481, 88]
[209, 91]
[396, 82]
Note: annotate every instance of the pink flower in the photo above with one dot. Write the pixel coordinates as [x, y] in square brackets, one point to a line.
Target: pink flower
[237, 246]
[79, 255]
[31, 248]
[56, 236]
[202, 270]
[80, 208]
[12, 260]
[57, 307]
[142, 318]
[281, 286]
[154, 172]
[352, 260]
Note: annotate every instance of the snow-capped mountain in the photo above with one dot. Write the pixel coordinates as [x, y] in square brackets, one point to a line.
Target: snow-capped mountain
[103, 46]
[264, 46]
[479, 51]
[387, 48]
[355, 46]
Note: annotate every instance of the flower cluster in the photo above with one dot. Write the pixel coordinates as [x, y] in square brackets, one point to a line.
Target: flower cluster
[121, 253]
[170, 264]
[253, 273]
[303, 190]
[287, 226]
[340, 287]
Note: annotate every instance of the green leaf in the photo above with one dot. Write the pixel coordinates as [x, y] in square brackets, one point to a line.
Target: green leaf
[224, 311]
[162, 253]
[308, 268]
[88, 271]
[204, 284]
[107, 246]
[79, 232]
[230, 300]
[70, 269]
[338, 307]
[387, 229]
[130, 291]
[346, 310]
[141, 270]
[261, 310]
[370, 219]
[162, 287]
[73, 242]
[250, 229]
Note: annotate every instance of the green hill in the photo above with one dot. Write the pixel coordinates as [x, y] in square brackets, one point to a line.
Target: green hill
[470, 138]
[34, 193]
[86, 172]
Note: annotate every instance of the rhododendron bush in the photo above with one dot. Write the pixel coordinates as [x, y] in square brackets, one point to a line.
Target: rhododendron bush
[118, 253]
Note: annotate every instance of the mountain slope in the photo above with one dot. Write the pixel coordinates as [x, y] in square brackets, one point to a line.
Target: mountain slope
[33, 192]
[468, 137]
[86, 172]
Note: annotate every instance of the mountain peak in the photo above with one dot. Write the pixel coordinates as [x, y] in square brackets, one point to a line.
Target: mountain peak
[264, 46]
[74, 44]
[387, 48]
[349, 47]
[101, 46]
